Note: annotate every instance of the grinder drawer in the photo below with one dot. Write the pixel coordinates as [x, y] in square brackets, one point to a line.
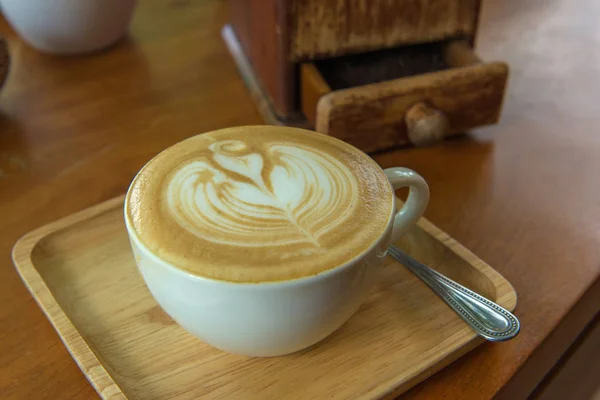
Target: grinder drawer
[443, 89]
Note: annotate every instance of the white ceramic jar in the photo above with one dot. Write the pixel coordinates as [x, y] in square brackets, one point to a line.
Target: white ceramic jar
[69, 26]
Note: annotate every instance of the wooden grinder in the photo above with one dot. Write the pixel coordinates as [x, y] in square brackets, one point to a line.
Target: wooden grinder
[375, 73]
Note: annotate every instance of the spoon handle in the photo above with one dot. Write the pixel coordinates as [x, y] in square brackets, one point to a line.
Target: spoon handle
[487, 318]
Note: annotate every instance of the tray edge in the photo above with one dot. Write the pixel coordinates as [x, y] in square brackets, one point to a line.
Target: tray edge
[506, 295]
[103, 382]
[85, 358]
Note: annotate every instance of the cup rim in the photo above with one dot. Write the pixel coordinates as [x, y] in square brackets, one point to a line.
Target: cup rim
[133, 235]
[293, 281]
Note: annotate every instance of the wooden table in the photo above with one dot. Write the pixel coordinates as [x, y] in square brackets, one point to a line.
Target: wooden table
[523, 195]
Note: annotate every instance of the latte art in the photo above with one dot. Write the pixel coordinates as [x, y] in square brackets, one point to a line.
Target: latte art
[255, 204]
[281, 196]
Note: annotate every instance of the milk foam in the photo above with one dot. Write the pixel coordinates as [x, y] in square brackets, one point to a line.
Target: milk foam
[259, 203]
[231, 198]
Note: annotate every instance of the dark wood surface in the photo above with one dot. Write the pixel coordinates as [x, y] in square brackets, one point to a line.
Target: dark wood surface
[325, 28]
[262, 30]
[523, 194]
[582, 363]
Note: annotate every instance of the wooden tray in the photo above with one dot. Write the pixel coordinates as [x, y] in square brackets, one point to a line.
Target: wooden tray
[81, 272]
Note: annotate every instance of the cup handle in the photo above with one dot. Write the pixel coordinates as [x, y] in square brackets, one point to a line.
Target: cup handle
[415, 205]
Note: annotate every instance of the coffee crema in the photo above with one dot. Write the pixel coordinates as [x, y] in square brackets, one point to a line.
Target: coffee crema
[259, 204]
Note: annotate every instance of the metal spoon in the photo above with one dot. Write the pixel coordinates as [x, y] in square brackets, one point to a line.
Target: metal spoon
[487, 318]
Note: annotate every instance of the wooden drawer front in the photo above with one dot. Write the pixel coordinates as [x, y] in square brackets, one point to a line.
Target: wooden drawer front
[325, 28]
[377, 116]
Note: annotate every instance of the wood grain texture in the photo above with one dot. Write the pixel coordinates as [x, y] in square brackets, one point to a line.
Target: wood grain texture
[582, 365]
[4, 61]
[459, 53]
[261, 98]
[312, 88]
[82, 273]
[335, 27]
[262, 29]
[469, 97]
[520, 194]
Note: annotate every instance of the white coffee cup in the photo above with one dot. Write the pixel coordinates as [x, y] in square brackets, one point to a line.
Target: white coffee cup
[69, 26]
[276, 318]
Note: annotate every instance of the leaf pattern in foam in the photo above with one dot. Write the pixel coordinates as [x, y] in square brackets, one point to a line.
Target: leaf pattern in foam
[211, 201]
[249, 165]
[288, 194]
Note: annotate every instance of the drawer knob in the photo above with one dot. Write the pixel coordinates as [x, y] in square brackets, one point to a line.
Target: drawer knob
[425, 125]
